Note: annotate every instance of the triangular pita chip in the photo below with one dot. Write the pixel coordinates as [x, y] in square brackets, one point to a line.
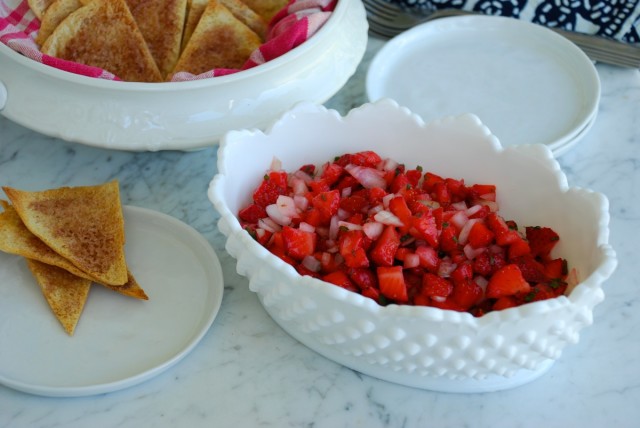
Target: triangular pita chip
[82, 224]
[65, 293]
[104, 34]
[267, 9]
[161, 23]
[194, 12]
[15, 238]
[53, 16]
[220, 40]
[39, 7]
[246, 15]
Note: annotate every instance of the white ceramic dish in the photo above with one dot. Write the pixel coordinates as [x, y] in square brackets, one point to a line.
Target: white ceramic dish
[183, 115]
[526, 83]
[119, 341]
[424, 347]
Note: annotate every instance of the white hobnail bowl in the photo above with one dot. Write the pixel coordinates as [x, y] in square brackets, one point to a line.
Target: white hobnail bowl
[181, 115]
[423, 347]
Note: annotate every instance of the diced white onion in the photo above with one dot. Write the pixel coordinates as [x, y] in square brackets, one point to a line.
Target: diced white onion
[276, 164]
[460, 206]
[445, 267]
[275, 214]
[482, 282]
[334, 227]
[346, 192]
[350, 226]
[368, 177]
[268, 224]
[306, 227]
[459, 219]
[388, 218]
[303, 176]
[411, 261]
[301, 202]
[287, 206]
[472, 210]
[311, 263]
[298, 186]
[389, 164]
[463, 237]
[373, 229]
[386, 199]
[438, 299]
[471, 252]
[343, 214]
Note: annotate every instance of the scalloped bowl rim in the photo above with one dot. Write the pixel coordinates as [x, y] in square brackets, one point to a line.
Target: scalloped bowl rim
[601, 273]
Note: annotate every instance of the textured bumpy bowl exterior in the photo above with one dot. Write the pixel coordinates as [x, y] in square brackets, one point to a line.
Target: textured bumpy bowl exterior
[181, 115]
[420, 346]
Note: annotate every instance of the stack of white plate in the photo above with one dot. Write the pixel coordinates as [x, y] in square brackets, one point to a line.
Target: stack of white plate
[526, 83]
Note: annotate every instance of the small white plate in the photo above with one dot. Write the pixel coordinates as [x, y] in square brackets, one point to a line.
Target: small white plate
[119, 341]
[525, 82]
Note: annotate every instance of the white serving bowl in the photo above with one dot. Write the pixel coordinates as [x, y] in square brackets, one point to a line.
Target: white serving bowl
[181, 115]
[422, 347]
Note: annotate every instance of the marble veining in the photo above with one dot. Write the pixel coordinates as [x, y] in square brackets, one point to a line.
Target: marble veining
[247, 372]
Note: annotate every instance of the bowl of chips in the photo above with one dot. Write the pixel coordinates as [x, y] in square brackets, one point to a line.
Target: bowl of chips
[175, 100]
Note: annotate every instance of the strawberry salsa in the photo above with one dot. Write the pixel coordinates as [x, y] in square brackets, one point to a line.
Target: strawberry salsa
[403, 236]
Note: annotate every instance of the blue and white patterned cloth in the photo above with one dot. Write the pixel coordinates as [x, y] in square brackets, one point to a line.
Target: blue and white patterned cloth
[617, 19]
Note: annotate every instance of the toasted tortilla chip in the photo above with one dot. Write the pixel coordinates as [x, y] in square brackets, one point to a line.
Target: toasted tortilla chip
[267, 9]
[220, 40]
[82, 224]
[39, 7]
[194, 12]
[65, 293]
[161, 23]
[247, 15]
[53, 16]
[104, 34]
[15, 238]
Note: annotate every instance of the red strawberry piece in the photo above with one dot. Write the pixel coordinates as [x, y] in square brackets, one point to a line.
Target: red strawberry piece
[462, 273]
[503, 234]
[298, 243]
[482, 264]
[504, 303]
[428, 257]
[371, 293]
[541, 240]
[532, 270]
[351, 246]
[436, 286]
[384, 249]
[414, 175]
[398, 206]
[366, 158]
[327, 203]
[507, 281]
[331, 173]
[457, 189]
[423, 226]
[556, 268]
[519, 247]
[538, 292]
[376, 194]
[356, 203]
[430, 180]
[273, 185]
[400, 183]
[483, 191]
[340, 279]
[480, 235]
[441, 194]
[252, 213]
[449, 239]
[364, 278]
[466, 294]
[319, 186]
[392, 284]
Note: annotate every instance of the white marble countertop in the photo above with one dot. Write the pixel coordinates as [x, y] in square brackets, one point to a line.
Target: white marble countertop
[247, 372]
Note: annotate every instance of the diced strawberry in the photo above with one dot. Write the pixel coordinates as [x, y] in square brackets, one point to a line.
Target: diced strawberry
[483, 191]
[347, 181]
[424, 227]
[436, 286]
[399, 183]
[319, 186]
[507, 281]
[364, 278]
[448, 304]
[303, 270]
[328, 262]
[309, 169]
[414, 175]
[449, 239]
[539, 292]
[340, 279]
[428, 258]
[457, 189]
[482, 212]
[372, 293]
[541, 240]
[466, 294]
[480, 235]
[376, 194]
[355, 203]
[277, 247]
[252, 213]
[556, 268]
[366, 158]
[482, 264]
[351, 246]
[402, 252]
[532, 270]
[519, 247]
[430, 180]
[384, 249]
[297, 243]
[331, 173]
[462, 273]
[441, 193]
[312, 216]
[504, 302]
[398, 206]
[327, 203]
[503, 234]
[392, 284]
[273, 185]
